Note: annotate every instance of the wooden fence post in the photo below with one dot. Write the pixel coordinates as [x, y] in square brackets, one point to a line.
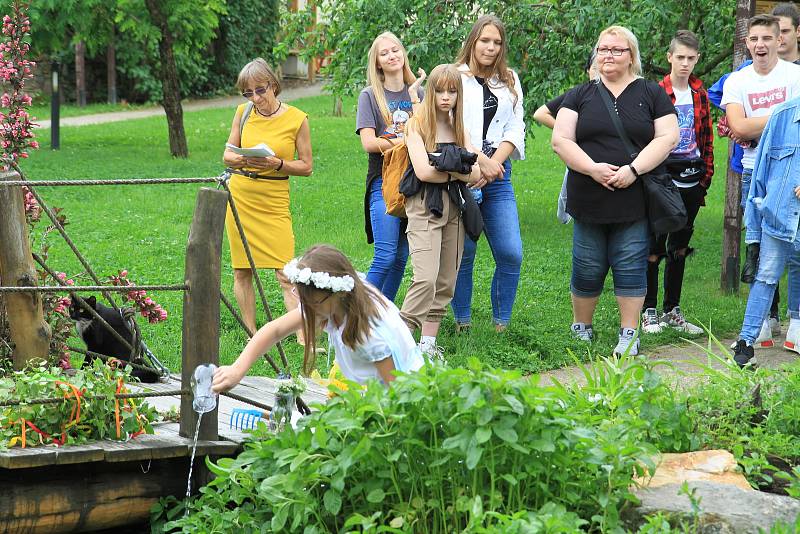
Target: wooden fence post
[201, 302]
[29, 331]
[732, 219]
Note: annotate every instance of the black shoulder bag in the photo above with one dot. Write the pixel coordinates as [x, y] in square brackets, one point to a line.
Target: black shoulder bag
[665, 209]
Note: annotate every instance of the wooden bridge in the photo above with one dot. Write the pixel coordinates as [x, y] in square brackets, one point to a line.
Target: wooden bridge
[108, 484]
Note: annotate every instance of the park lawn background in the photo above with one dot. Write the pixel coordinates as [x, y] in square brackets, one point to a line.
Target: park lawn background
[144, 229]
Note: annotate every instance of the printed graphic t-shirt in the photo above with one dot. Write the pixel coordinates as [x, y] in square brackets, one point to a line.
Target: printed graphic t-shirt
[758, 95]
[369, 116]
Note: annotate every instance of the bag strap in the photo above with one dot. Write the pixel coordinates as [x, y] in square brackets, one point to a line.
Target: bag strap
[617, 122]
[248, 109]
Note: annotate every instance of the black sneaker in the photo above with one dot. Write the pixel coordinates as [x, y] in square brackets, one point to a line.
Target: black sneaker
[750, 267]
[743, 354]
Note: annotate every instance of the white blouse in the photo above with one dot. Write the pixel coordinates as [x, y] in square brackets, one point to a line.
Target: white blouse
[508, 123]
[389, 337]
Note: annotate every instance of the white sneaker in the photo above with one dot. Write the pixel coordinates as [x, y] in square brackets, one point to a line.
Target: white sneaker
[675, 319]
[792, 341]
[432, 352]
[764, 339]
[628, 342]
[650, 322]
[775, 326]
[582, 332]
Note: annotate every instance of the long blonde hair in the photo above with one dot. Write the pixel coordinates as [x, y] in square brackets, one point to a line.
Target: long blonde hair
[635, 68]
[445, 77]
[376, 77]
[500, 68]
[360, 304]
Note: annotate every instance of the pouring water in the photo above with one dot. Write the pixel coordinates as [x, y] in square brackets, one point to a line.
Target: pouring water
[205, 400]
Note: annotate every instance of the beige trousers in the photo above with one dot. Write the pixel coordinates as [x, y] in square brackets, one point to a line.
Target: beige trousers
[435, 246]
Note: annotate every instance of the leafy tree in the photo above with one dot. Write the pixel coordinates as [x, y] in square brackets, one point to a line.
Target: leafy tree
[164, 31]
[548, 41]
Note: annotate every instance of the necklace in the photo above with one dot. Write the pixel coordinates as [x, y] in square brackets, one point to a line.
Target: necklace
[270, 114]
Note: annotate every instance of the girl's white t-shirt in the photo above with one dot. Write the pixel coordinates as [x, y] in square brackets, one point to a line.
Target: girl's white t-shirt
[389, 337]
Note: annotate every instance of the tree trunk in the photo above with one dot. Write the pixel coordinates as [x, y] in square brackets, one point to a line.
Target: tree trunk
[337, 106]
[732, 220]
[80, 73]
[111, 70]
[29, 332]
[170, 84]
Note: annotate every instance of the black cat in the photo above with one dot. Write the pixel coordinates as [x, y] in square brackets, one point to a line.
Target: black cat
[100, 340]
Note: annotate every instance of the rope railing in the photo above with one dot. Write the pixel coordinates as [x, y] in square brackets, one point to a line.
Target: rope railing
[56, 400]
[72, 289]
[132, 181]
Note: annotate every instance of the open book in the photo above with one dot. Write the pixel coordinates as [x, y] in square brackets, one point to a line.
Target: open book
[261, 150]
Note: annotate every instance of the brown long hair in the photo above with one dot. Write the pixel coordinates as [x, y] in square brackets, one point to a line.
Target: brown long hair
[500, 68]
[443, 77]
[360, 304]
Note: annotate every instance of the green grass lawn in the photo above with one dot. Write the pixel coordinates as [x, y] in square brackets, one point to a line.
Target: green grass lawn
[41, 109]
[144, 229]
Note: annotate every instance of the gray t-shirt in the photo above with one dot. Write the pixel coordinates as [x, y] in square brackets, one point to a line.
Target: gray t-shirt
[369, 116]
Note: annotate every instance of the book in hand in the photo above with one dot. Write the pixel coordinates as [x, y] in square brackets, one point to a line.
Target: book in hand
[261, 150]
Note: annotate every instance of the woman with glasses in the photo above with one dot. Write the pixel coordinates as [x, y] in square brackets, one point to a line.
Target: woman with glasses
[384, 107]
[260, 185]
[493, 117]
[604, 193]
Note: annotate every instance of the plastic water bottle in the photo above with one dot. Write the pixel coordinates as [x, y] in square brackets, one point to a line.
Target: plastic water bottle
[477, 194]
[205, 400]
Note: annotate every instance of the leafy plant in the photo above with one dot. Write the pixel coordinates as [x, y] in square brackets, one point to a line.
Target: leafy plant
[88, 412]
[445, 450]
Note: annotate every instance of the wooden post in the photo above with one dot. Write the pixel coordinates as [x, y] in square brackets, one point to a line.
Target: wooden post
[201, 302]
[732, 221]
[29, 331]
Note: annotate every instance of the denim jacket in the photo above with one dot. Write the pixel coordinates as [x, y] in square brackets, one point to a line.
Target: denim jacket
[772, 205]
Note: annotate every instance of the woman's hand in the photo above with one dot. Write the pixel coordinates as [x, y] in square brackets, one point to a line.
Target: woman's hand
[413, 89]
[491, 170]
[225, 377]
[602, 173]
[269, 163]
[623, 178]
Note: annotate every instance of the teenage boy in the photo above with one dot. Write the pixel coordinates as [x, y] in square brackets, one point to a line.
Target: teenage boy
[772, 217]
[748, 98]
[691, 165]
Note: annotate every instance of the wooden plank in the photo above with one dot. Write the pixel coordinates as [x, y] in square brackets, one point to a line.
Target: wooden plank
[79, 454]
[19, 458]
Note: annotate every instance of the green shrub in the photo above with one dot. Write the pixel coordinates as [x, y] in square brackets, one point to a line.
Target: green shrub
[446, 450]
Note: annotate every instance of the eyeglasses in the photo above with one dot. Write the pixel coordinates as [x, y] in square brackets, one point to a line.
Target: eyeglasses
[616, 52]
[260, 91]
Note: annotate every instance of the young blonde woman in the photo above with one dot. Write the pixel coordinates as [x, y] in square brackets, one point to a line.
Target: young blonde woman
[260, 185]
[493, 116]
[365, 329]
[435, 226]
[384, 108]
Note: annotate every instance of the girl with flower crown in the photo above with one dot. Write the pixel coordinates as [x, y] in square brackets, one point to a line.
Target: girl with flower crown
[364, 327]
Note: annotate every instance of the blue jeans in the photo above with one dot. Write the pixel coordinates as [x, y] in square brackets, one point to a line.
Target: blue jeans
[773, 257]
[391, 245]
[501, 226]
[622, 247]
[747, 177]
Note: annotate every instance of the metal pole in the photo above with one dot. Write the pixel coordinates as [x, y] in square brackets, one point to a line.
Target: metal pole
[55, 105]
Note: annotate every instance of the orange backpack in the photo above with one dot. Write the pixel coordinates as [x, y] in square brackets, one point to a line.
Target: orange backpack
[395, 163]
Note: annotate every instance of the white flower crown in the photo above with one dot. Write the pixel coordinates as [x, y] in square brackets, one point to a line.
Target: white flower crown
[320, 280]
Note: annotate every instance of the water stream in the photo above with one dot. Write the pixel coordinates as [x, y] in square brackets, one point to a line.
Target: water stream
[191, 465]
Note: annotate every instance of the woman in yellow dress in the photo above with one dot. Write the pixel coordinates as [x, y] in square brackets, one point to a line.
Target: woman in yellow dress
[260, 185]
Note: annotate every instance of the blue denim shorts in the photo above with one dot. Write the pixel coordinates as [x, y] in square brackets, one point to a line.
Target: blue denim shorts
[623, 247]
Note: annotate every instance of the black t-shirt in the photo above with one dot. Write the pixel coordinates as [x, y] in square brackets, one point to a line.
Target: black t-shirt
[554, 105]
[641, 103]
[489, 105]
